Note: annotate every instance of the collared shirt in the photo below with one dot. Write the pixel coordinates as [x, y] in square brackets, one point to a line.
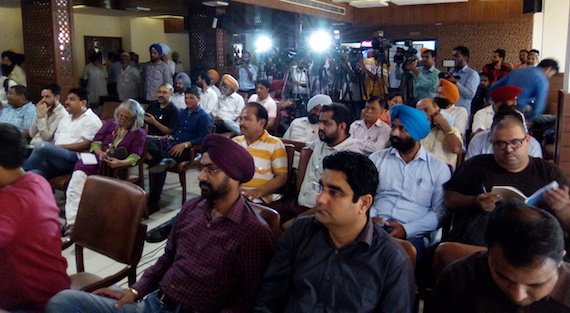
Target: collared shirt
[425, 83]
[154, 75]
[467, 286]
[380, 86]
[371, 139]
[467, 84]
[307, 197]
[21, 117]
[246, 83]
[433, 143]
[192, 127]
[310, 274]
[535, 88]
[302, 130]
[167, 116]
[229, 107]
[3, 94]
[74, 130]
[268, 103]
[483, 118]
[212, 265]
[460, 117]
[410, 193]
[128, 83]
[178, 100]
[301, 77]
[43, 129]
[208, 100]
[481, 144]
[269, 157]
[495, 74]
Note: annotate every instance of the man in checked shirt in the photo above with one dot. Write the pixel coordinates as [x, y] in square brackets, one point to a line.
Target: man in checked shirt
[214, 258]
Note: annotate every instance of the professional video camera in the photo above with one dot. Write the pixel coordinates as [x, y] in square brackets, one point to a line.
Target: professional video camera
[406, 56]
[382, 45]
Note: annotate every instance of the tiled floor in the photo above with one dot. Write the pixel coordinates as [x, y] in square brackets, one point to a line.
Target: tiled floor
[171, 203]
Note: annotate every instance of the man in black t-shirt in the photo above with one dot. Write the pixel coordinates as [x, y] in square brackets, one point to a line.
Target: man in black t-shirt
[468, 193]
[161, 115]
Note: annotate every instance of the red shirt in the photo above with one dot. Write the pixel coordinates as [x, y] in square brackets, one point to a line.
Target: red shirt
[496, 74]
[32, 269]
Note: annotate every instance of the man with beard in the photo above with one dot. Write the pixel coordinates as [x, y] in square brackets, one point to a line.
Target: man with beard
[214, 258]
[443, 141]
[503, 97]
[523, 55]
[305, 129]
[468, 80]
[161, 114]
[446, 96]
[49, 113]
[229, 106]
[154, 74]
[246, 75]
[469, 193]
[5, 85]
[208, 98]
[129, 79]
[497, 69]
[425, 76]
[409, 198]
[181, 82]
[11, 69]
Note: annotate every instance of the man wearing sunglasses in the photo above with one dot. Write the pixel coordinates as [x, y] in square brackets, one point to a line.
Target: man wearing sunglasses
[468, 193]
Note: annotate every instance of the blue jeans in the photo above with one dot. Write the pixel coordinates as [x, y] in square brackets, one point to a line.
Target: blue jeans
[74, 301]
[49, 160]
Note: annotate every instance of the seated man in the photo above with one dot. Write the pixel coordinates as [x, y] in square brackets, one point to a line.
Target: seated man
[74, 134]
[370, 133]
[409, 198]
[21, 111]
[268, 154]
[339, 260]
[32, 269]
[522, 271]
[503, 97]
[215, 256]
[443, 141]
[447, 94]
[229, 106]
[161, 115]
[305, 129]
[5, 85]
[208, 98]
[181, 82]
[262, 97]
[49, 112]
[468, 193]
[192, 127]
[481, 142]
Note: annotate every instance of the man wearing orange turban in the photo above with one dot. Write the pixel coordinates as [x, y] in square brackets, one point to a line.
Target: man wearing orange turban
[229, 106]
[447, 94]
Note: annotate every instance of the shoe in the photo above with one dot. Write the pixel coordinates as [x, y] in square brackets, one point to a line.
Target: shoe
[160, 233]
[153, 208]
[66, 230]
[164, 164]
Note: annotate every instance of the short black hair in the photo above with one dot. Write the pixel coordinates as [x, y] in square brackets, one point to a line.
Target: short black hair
[502, 53]
[81, 93]
[264, 82]
[261, 111]
[485, 74]
[507, 114]
[95, 56]
[431, 52]
[381, 101]
[546, 63]
[361, 173]
[463, 50]
[206, 77]
[393, 95]
[22, 90]
[534, 51]
[523, 50]
[193, 90]
[340, 114]
[526, 234]
[54, 88]
[13, 143]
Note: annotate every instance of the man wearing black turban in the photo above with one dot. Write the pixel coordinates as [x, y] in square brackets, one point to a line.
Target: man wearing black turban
[11, 67]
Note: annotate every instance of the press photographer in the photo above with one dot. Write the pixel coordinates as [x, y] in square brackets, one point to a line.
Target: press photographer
[425, 77]
[376, 67]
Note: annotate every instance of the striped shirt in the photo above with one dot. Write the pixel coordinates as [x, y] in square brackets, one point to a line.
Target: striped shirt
[269, 156]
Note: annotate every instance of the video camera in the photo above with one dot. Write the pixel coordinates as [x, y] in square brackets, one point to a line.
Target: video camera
[382, 45]
[406, 56]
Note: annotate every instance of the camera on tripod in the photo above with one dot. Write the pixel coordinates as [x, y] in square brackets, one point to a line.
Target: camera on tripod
[406, 55]
[382, 45]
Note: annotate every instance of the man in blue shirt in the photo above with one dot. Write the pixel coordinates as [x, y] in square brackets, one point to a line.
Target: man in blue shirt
[534, 82]
[426, 77]
[409, 198]
[193, 125]
[246, 74]
[21, 112]
[468, 80]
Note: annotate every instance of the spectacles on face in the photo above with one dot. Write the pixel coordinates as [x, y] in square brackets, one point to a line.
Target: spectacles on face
[126, 117]
[209, 169]
[333, 193]
[514, 144]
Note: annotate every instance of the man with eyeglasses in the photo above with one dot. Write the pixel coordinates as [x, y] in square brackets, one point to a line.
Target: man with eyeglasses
[215, 255]
[468, 193]
[338, 260]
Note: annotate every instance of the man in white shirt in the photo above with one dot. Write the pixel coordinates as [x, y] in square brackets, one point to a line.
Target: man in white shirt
[445, 97]
[74, 134]
[129, 79]
[370, 133]
[229, 107]
[262, 97]
[304, 129]
[503, 97]
[49, 113]
[209, 98]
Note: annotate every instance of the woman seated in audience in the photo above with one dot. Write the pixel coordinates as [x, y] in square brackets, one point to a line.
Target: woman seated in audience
[120, 142]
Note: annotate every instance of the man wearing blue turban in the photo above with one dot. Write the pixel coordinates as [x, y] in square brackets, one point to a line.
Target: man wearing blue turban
[409, 198]
[154, 73]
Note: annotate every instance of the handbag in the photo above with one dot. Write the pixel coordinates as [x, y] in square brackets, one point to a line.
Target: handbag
[117, 153]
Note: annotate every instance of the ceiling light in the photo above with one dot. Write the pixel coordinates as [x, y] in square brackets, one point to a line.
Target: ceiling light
[138, 9]
[369, 4]
[216, 3]
[167, 17]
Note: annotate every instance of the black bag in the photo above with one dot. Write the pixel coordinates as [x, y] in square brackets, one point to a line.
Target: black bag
[118, 153]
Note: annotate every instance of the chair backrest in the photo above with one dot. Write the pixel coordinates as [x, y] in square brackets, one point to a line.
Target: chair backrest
[109, 219]
[447, 252]
[290, 149]
[270, 217]
[410, 250]
[303, 162]
[297, 144]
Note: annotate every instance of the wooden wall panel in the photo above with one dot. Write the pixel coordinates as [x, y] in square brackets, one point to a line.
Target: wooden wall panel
[279, 5]
[556, 83]
[562, 152]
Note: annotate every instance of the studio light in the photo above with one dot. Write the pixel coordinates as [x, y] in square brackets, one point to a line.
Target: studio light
[262, 44]
[320, 41]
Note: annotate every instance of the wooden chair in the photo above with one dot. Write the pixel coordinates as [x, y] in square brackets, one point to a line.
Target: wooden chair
[109, 222]
[125, 173]
[270, 217]
[284, 190]
[447, 252]
[182, 167]
[410, 250]
[303, 163]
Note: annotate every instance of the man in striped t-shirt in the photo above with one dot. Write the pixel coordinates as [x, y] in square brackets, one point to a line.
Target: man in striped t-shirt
[268, 153]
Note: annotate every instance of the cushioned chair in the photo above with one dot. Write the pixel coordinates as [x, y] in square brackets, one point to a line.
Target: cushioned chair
[447, 252]
[410, 250]
[109, 222]
[270, 217]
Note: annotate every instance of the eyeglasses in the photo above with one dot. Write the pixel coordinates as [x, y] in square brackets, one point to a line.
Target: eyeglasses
[126, 117]
[210, 170]
[334, 193]
[514, 144]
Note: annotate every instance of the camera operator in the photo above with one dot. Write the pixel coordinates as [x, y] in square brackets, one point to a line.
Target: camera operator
[425, 77]
[376, 74]
[465, 78]
[246, 75]
[300, 80]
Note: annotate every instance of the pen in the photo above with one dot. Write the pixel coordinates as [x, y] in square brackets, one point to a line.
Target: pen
[484, 190]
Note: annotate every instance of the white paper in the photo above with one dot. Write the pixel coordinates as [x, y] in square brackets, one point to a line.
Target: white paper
[88, 158]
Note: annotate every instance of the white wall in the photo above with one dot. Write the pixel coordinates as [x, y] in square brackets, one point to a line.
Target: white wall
[11, 30]
[550, 32]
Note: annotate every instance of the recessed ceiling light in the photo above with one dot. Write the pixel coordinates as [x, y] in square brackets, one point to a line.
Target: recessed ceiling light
[216, 3]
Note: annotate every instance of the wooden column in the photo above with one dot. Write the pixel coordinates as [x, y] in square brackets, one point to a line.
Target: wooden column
[207, 44]
[562, 152]
[47, 28]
